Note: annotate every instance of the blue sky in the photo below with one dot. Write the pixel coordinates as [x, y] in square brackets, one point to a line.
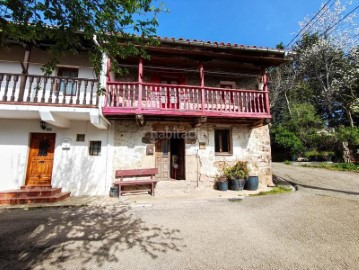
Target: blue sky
[253, 22]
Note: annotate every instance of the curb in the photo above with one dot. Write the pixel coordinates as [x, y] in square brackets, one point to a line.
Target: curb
[293, 186]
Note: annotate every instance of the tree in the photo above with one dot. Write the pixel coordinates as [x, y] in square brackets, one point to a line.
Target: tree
[74, 25]
[322, 66]
[349, 86]
[324, 60]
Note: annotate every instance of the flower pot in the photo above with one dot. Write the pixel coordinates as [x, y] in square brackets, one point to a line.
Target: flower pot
[222, 186]
[114, 192]
[252, 183]
[234, 184]
[242, 183]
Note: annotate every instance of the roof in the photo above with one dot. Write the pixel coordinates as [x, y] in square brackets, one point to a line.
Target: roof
[223, 45]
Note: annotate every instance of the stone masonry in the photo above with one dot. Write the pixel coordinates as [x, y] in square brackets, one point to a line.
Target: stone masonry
[201, 165]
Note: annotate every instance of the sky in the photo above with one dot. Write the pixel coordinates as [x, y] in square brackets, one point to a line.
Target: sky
[249, 22]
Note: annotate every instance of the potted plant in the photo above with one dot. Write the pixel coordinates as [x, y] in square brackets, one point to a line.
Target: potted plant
[236, 175]
[222, 182]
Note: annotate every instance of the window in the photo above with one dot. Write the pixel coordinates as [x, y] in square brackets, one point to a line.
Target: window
[68, 86]
[95, 148]
[227, 84]
[80, 137]
[222, 141]
[43, 148]
[227, 96]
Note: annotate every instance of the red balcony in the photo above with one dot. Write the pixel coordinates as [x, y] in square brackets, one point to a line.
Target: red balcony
[127, 98]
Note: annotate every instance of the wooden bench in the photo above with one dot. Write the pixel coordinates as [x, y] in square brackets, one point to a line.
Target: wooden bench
[150, 183]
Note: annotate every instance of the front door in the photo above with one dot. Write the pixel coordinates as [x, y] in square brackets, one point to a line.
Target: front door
[177, 157]
[41, 158]
[163, 157]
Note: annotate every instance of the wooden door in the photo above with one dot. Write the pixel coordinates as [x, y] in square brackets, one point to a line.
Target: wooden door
[41, 158]
[163, 157]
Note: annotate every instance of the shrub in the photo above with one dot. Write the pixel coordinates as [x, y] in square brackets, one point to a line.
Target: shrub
[348, 134]
[238, 171]
[288, 140]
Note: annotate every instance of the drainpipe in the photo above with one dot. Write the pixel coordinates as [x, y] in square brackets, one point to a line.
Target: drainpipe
[103, 79]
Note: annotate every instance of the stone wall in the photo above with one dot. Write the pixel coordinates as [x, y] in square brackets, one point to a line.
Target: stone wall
[201, 165]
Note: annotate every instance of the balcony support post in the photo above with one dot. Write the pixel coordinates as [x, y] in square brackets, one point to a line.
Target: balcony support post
[201, 72]
[140, 77]
[265, 88]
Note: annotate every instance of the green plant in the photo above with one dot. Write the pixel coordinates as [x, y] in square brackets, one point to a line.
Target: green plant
[287, 139]
[220, 178]
[326, 155]
[287, 162]
[312, 155]
[318, 156]
[275, 190]
[335, 166]
[101, 91]
[238, 171]
[349, 134]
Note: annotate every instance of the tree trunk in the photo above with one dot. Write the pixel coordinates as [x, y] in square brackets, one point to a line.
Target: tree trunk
[25, 70]
[350, 118]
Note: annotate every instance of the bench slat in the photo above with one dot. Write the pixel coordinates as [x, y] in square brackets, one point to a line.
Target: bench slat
[136, 172]
[135, 182]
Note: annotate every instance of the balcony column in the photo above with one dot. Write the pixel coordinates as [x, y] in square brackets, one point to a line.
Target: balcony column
[140, 77]
[201, 72]
[265, 89]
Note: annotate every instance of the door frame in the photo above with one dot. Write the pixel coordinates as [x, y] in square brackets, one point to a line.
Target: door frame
[29, 155]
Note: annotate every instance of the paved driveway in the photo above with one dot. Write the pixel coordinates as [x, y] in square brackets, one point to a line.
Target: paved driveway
[335, 182]
[307, 229]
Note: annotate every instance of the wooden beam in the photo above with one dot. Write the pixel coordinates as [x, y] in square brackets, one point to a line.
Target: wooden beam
[140, 120]
[200, 121]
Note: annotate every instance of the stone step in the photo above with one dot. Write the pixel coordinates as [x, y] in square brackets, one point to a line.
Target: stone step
[33, 192]
[39, 199]
[36, 187]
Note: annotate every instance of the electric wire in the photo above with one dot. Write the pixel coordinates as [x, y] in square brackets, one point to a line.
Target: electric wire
[338, 22]
[305, 26]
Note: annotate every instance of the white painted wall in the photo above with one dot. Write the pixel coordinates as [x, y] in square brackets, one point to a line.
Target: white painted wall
[10, 58]
[74, 170]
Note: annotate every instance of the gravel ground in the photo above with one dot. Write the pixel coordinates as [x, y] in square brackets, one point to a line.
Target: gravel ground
[306, 229]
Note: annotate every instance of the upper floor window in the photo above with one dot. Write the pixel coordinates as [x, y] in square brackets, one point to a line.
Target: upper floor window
[68, 86]
[227, 84]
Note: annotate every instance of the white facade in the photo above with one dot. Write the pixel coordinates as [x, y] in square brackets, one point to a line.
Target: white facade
[74, 169]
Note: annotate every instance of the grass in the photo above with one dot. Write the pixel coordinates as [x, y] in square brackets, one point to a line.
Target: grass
[287, 162]
[275, 190]
[348, 167]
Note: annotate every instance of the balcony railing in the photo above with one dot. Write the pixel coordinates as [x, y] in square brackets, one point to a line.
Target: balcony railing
[48, 90]
[169, 99]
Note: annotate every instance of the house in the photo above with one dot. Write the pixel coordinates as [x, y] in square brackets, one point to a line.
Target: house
[191, 109]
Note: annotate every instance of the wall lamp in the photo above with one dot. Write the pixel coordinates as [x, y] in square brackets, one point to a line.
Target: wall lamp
[43, 125]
